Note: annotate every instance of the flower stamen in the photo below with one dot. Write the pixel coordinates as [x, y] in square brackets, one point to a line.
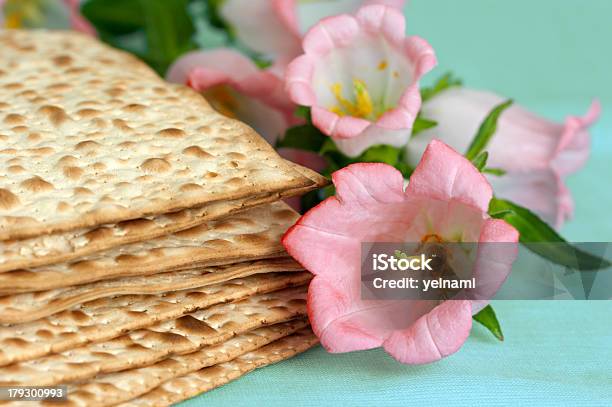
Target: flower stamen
[362, 107]
[13, 21]
[18, 13]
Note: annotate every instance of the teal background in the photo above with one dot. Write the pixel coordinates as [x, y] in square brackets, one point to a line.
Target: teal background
[553, 57]
[535, 51]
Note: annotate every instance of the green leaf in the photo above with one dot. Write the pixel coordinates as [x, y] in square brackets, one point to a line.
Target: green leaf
[487, 318]
[169, 31]
[304, 137]
[214, 16]
[500, 214]
[328, 191]
[494, 171]
[158, 31]
[329, 146]
[535, 233]
[486, 131]
[381, 153]
[303, 112]
[116, 17]
[261, 62]
[310, 200]
[480, 160]
[444, 82]
[402, 164]
[404, 168]
[421, 124]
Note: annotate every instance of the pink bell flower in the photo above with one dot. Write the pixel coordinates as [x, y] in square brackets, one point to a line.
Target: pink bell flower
[536, 154]
[447, 199]
[360, 76]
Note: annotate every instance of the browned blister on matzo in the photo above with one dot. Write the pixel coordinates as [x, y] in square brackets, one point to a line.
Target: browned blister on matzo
[250, 235]
[81, 325]
[147, 346]
[110, 389]
[64, 246]
[90, 135]
[26, 307]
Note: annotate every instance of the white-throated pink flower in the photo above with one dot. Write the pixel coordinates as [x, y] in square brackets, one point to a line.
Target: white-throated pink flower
[360, 76]
[536, 154]
[447, 200]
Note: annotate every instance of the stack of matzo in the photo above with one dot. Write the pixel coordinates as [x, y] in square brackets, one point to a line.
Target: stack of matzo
[140, 255]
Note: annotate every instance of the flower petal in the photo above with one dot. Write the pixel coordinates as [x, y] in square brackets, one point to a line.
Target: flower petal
[223, 60]
[345, 323]
[459, 112]
[497, 251]
[542, 191]
[369, 183]
[405, 112]
[328, 307]
[388, 20]
[444, 174]
[321, 251]
[257, 97]
[435, 335]
[398, 4]
[311, 12]
[77, 21]
[297, 80]
[369, 202]
[264, 26]
[345, 127]
[574, 145]
[329, 33]
[542, 146]
[419, 50]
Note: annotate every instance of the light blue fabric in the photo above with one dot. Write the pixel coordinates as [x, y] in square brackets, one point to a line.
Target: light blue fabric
[553, 57]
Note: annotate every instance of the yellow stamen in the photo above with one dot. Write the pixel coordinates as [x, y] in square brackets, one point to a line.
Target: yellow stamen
[21, 13]
[382, 65]
[362, 106]
[13, 21]
[338, 110]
